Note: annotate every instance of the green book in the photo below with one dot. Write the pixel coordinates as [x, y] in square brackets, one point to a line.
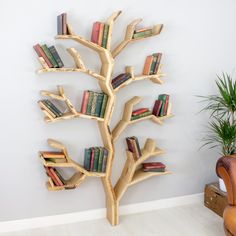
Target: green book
[100, 159]
[87, 158]
[104, 162]
[105, 36]
[52, 107]
[154, 62]
[89, 106]
[96, 157]
[49, 55]
[147, 113]
[94, 103]
[56, 56]
[155, 170]
[104, 105]
[142, 34]
[162, 97]
[99, 104]
[60, 176]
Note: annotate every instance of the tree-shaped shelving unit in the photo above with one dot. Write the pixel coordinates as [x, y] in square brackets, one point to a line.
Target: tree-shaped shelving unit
[132, 172]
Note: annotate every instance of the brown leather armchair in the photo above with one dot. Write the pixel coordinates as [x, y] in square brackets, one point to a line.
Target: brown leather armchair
[226, 169]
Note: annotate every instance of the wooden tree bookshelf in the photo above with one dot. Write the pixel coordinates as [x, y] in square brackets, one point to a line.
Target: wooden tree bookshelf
[132, 172]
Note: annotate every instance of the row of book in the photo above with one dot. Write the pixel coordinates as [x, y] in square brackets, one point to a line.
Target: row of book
[161, 108]
[133, 146]
[55, 157]
[62, 24]
[120, 79]
[142, 33]
[153, 167]
[55, 176]
[49, 55]
[95, 159]
[100, 33]
[50, 109]
[94, 103]
[152, 64]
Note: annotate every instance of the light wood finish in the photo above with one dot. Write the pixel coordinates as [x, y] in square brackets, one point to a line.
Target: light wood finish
[131, 171]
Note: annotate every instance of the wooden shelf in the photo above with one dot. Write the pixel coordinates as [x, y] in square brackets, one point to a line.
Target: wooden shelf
[131, 173]
[140, 175]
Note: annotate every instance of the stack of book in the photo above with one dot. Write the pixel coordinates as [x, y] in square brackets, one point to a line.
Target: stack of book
[50, 109]
[142, 33]
[55, 176]
[100, 33]
[94, 103]
[133, 146]
[62, 24]
[154, 167]
[120, 79]
[55, 157]
[152, 64]
[162, 106]
[139, 113]
[49, 55]
[95, 159]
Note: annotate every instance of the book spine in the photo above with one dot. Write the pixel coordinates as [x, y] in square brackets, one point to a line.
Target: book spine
[92, 159]
[60, 176]
[121, 81]
[117, 78]
[100, 159]
[56, 56]
[139, 111]
[53, 154]
[89, 106]
[53, 107]
[59, 25]
[154, 170]
[95, 32]
[159, 55]
[87, 157]
[166, 104]
[129, 145]
[147, 65]
[49, 174]
[94, 102]
[134, 147]
[104, 105]
[100, 35]
[147, 113]
[49, 55]
[141, 30]
[104, 162]
[42, 54]
[142, 34]
[105, 36]
[96, 157]
[64, 23]
[50, 108]
[157, 108]
[99, 104]
[56, 178]
[138, 146]
[47, 110]
[152, 69]
[162, 97]
[85, 102]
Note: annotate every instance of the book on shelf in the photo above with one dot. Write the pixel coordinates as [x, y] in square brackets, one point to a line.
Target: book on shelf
[100, 33]
[95, 159]
[139, 111]
[153, 167]
[144, 114]
[57, 155]
[53, 175]
[162, 106]
[152, 64]
[51, 108]
[142, 33]
[157, 107]
[94, 103]
[133, 146]
[120, 79]
[62, 24]
[49, 55]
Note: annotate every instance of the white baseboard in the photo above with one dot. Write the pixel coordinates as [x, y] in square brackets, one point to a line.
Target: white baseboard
[47, 221]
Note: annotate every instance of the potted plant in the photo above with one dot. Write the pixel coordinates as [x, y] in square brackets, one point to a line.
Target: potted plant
[222, 126]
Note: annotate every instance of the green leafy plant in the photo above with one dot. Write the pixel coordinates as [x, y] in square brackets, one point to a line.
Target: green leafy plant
[222, 107]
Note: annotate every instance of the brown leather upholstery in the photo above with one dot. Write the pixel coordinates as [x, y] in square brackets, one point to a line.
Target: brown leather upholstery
[226, 169]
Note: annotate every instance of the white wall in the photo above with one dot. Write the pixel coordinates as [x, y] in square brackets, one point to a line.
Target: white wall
[198, 41]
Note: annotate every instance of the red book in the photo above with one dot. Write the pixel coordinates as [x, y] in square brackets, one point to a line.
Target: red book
[41, 53]
[153, 165]
[147, 65]
[117, 78]
[157, 63]
[100, 35]
[92, 159]
[95, 32]
[139, 111]
[46, 154]
[56, 177]
[49, 173]
[85, 102]
[157, 107]
[166, 104]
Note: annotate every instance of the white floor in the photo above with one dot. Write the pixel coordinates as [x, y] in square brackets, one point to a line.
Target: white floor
[188, 220]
